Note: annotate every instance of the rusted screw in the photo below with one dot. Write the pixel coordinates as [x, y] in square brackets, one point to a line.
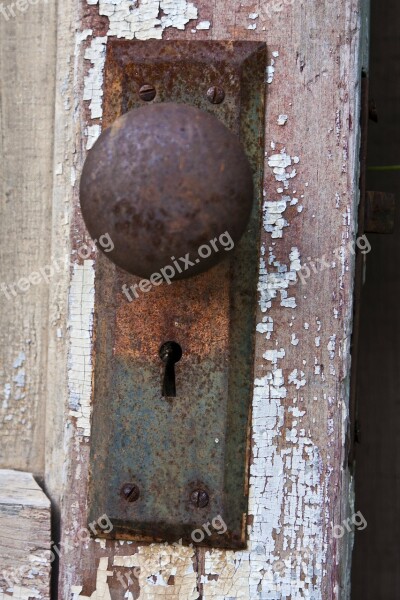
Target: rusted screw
[215, 94]
[130, 492]
[199, 498]
[147, 92]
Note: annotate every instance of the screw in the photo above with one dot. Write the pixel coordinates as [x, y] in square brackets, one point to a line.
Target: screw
[215, 94]
[147, 92]
[130, 492]
[199, 498]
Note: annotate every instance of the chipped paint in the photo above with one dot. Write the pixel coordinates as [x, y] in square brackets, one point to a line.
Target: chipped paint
[282, 119]
[272, 216]
[203, 25]
[80, 322]
[92, 133]
[272, 282]
[145, 19]
[93, 84]
[155, 565]
[297, 378]
[289, 477]
[271, 67]
[22, 593]
[102, 591]
[279, 163]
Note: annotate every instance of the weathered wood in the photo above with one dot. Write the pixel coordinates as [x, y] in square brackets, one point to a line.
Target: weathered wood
[299, 485]
[376, 572]
[25, 524]
[27, 61]
[380, 212]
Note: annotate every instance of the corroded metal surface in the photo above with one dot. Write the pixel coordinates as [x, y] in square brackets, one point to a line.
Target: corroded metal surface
[185, 458]
[163, 180]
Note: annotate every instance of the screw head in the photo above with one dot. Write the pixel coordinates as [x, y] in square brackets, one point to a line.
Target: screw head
[130, 492]
[147, 92]
[215, 94]
[199, 498]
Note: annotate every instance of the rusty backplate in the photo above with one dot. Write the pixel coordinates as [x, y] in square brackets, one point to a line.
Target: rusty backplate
[167, 469]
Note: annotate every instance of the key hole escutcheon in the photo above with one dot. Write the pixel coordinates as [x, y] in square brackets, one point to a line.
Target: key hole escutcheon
[170, 353]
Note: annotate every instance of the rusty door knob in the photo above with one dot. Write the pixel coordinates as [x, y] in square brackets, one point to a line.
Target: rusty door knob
[167, 182]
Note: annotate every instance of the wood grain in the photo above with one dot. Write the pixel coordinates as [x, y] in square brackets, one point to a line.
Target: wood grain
[27, 70]
[299, 484]
[25, 556]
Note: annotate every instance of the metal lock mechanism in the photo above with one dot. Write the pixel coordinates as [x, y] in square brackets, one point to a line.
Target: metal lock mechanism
[175, 180]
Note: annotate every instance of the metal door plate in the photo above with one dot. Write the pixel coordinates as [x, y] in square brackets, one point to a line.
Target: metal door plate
[163, 450]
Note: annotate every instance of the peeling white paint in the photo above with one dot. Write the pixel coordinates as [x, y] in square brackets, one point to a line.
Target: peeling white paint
[93, 84]
[19, 361]
[154, 565]
[286, 489]
[80, 322]
[297, 378]
[271, 67]
[145, 19]
[203, 25]
[282, 119]
[270, 72]
[332, 346]
[102, 591]
[272, 216]
[92, 133]
[294, 340]
[279, 163]
[22, 593]
[285, 495]
[266, 326]
[285, 481]
[272, 282]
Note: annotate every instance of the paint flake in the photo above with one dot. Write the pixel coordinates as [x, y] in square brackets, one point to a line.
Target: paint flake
[81, 303]
[147, 19]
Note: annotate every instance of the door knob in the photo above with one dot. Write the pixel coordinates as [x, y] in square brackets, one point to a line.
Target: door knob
[164, 180]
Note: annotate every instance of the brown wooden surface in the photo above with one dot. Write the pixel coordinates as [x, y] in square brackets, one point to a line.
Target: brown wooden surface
[27, 70]
[299, 488]
[376, 573]
[299, 485]
[25, 555]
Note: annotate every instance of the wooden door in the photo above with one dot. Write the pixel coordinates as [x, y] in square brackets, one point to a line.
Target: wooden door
[52, 74]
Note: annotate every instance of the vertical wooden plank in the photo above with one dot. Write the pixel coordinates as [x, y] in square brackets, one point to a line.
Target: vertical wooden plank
[27, 65]
[25, 549]
[377, 552]
[299, 486]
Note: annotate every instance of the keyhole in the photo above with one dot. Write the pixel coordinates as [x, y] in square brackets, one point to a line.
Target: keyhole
[170, 353]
